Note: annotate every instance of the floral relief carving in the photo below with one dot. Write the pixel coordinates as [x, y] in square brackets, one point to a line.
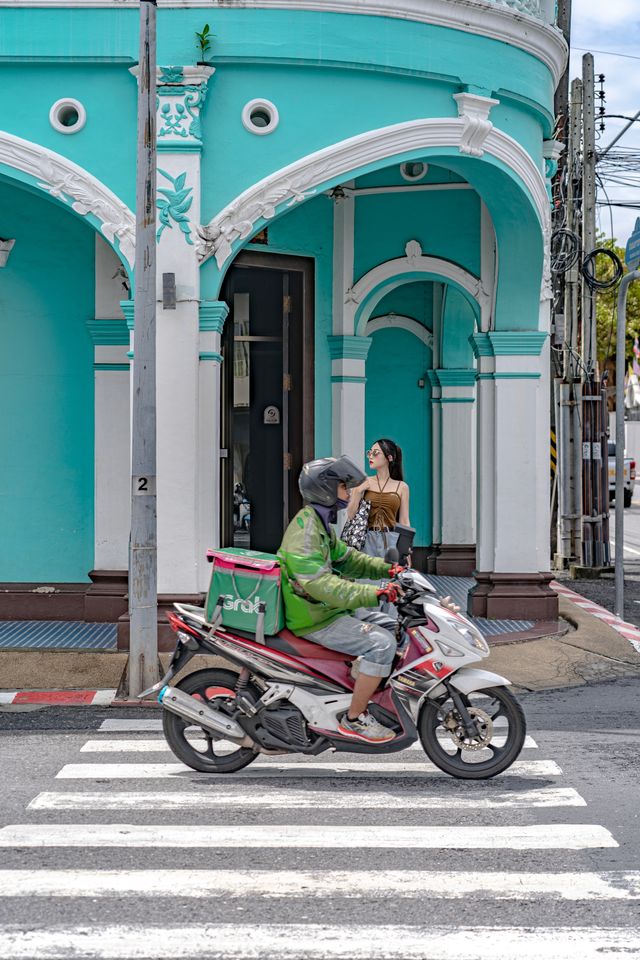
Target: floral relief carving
[182, 117]
[70, 184]
[174, 204]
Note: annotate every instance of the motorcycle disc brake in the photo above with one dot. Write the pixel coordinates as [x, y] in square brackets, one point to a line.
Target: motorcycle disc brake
[455, 728]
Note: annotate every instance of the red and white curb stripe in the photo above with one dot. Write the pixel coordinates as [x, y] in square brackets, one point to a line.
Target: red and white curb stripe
[627, 630]
[59, 698]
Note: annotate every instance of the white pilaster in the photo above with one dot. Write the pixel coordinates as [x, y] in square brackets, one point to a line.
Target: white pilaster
[543, 475]
[348, 380]
[509, 438]
[110, 336]
[343, 254]
[181, 529]
[454, 401]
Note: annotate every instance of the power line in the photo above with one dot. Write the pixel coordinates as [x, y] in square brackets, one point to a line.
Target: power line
[608, 53]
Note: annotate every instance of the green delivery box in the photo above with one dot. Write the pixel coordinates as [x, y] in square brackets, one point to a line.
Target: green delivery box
[246, 579]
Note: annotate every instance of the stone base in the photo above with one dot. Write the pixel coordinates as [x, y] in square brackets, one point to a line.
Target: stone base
[106, 599]
[513, 596]
[456, 560]
[166, 636]
[424, 559]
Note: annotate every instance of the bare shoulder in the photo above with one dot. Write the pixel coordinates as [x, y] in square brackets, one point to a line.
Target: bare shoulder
[403, 487]
[363, 486]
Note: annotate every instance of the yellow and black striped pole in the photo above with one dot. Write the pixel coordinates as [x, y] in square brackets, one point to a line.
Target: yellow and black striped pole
[554, 456]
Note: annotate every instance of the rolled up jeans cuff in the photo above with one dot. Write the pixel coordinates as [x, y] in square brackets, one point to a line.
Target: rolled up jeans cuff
[372, 669]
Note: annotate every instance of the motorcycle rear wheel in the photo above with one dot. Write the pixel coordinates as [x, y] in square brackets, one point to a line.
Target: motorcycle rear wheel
[194, 745]
[498, 703]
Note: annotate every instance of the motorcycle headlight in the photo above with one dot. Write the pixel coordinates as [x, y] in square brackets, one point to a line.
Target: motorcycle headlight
[473, 639]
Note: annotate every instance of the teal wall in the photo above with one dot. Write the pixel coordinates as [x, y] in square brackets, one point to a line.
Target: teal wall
[46, 392]
[459, 322]
[413, 300]
[396, 407]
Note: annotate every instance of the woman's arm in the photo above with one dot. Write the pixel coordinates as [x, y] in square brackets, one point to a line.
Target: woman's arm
[403, 516]
[355, 498]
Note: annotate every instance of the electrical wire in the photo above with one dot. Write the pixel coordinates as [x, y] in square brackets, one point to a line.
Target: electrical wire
[588, 269]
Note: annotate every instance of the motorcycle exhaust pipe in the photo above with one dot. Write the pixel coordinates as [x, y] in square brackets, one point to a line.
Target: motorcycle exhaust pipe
[203, 715]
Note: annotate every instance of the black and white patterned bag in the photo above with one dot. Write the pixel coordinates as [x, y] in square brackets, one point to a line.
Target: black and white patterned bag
[354, 532]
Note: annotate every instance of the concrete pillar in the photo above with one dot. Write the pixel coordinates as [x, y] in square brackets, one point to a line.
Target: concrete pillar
[348, 364]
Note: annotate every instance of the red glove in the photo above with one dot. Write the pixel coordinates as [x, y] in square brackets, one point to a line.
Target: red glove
[395, 569]
[390, 593]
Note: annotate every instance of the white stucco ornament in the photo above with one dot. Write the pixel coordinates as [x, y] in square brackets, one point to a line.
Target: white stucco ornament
[474, 110]
[413, 251]
[68, 182]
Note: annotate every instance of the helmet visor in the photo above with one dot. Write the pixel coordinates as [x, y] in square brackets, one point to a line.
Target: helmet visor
[344, 470]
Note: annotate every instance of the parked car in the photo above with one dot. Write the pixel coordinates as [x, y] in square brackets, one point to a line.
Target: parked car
[629, 476]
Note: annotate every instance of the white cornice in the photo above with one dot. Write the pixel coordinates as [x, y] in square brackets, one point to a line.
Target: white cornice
[300, 180]
[66, 181]
[486, 19]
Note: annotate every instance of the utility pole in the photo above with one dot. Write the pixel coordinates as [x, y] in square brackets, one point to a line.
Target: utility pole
[589, 340]
[143, 599]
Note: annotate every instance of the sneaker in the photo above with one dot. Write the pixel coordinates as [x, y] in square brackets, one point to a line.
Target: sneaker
[365, 727]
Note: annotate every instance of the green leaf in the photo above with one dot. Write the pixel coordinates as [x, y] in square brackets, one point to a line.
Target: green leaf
[179, 182]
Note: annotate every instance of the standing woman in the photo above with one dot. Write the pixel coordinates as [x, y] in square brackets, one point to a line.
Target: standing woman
[388, 494]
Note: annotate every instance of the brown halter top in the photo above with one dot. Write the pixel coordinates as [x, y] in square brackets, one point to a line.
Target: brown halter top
[385, 508]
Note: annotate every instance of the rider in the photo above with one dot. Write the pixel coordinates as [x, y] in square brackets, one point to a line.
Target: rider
[323, 606]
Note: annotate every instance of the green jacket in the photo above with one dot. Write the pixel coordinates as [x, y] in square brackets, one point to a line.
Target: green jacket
[314, 567]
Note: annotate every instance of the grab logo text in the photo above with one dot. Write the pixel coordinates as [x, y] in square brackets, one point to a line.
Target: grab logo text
[245, 606]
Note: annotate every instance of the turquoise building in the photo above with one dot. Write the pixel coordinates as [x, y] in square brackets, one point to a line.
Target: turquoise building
[353, 197]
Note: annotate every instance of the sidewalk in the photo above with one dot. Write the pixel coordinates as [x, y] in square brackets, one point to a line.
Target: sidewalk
[588, 644]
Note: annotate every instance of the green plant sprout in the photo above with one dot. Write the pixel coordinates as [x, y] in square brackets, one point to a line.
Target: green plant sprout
[204, 40]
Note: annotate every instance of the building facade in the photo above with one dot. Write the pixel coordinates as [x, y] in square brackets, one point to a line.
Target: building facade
[353, 197]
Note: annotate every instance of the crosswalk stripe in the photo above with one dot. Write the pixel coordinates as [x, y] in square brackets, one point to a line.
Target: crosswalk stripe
[353, 884]
[311, 941]
[267, 768]
[145, 745]
[264, 799]
[417, 837]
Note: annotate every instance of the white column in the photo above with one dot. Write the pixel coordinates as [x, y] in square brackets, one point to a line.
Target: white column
[212, 317]
[458, 465]
[543, 476]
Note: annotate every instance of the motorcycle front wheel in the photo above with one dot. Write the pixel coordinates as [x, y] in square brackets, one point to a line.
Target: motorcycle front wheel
[194, 745]
[501, 733]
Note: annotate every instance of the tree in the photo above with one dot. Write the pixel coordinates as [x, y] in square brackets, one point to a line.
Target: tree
[607, 309]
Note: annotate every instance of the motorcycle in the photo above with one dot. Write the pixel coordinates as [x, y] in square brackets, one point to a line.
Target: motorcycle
[289, 693]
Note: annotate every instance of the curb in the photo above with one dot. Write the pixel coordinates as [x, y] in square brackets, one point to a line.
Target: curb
[59, 698]
[627, 630]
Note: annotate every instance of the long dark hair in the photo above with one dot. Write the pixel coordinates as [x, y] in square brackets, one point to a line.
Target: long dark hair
[393, 453]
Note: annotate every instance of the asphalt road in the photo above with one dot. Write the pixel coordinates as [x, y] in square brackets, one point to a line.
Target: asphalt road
[309, 862]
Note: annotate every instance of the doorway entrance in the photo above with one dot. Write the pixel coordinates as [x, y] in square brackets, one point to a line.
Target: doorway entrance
[267, 403]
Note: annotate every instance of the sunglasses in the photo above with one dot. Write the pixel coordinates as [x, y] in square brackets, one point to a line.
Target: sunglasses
[374, 453]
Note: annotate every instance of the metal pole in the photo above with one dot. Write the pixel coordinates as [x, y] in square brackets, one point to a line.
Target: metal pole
[620, 368]
[589, 342]
[143, 645]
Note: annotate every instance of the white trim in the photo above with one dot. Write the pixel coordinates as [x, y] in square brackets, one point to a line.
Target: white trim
[269, 108]
[58, 107]
[300, 180]
[413, 262]
[542, 40]
[430, 187]
[65, 180]
[400, 322]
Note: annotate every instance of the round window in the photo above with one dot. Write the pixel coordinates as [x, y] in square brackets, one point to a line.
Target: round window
[414, 170]
[260, 116]
[67, 116]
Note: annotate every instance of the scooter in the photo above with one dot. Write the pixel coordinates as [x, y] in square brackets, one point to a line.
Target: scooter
[289, 693]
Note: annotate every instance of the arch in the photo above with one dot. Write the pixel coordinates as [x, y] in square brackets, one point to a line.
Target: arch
[374, 285]
[72, 185]
[466, 137]
[395, 321]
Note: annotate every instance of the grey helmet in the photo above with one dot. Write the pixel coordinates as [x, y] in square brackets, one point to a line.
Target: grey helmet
[319, 479]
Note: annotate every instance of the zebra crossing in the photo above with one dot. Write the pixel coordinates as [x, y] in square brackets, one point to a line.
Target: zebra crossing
[308, 858]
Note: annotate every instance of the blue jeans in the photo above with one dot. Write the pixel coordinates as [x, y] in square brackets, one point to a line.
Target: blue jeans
[369, 634]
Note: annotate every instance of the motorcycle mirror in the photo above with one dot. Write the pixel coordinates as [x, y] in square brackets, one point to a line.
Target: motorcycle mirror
[392, 555]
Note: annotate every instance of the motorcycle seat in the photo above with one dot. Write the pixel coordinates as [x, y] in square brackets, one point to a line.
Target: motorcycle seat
[287, 642]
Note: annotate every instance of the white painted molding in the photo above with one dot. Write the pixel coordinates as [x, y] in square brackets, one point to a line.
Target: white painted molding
[57, 110]
[493, 20]
[382, 275]
[400, 322]
[475, 111]
[300, 180]
[66, 181]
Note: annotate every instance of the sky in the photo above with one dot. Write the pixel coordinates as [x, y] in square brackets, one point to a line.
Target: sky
[610, 29]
